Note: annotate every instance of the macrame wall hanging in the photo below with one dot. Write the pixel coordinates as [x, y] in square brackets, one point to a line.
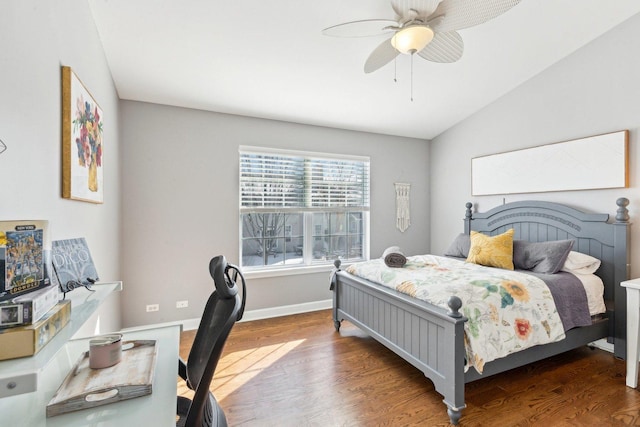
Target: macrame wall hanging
[403, 216]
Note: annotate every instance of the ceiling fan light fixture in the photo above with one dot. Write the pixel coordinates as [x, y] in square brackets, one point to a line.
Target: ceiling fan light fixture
[412, 39]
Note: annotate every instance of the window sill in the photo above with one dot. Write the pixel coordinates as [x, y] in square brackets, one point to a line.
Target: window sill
[292, 271]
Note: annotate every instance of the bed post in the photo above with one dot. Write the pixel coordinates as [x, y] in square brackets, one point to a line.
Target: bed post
[453, 393]
[468, 216]
[621, 273]
[333, 287]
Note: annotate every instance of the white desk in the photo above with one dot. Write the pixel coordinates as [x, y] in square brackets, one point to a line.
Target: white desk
[633, 330]
[23, 373]
[156, 409]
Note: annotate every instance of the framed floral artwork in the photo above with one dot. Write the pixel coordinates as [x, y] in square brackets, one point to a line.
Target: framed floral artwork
[82, 142]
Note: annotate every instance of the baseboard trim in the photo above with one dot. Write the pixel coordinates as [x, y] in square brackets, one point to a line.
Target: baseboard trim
[267, 313]
[602, 344]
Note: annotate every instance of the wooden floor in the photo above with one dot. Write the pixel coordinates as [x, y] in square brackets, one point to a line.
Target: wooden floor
[297, 371]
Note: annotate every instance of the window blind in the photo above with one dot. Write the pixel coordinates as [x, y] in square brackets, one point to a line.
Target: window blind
[275, 180]
[336, 183]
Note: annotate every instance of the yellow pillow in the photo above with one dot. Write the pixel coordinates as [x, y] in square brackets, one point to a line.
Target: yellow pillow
[492, 251]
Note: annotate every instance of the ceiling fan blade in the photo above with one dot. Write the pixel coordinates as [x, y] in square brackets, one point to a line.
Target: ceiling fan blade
[364, 28]
[444, 48]
[459, 14]
[403, 8]
[380, 56]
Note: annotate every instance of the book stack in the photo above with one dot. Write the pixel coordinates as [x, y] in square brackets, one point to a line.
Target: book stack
[26, 294]
[33, 274]
[30, 311]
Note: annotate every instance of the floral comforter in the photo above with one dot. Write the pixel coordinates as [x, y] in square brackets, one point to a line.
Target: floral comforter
[508, 311]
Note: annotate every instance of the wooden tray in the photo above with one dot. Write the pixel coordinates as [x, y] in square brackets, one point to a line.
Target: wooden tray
[87, 388]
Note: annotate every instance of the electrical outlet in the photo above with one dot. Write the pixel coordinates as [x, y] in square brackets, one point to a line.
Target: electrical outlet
[153, 307]
[182, 304]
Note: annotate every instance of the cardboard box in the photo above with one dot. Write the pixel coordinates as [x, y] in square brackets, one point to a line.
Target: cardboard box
[28, 340]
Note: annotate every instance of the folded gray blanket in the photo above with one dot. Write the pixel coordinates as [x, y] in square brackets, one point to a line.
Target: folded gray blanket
[393, 257]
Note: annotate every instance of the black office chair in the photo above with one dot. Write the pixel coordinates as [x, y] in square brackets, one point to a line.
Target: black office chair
[224, 307]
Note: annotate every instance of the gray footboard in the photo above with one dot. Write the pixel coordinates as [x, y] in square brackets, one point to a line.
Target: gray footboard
[424, 335]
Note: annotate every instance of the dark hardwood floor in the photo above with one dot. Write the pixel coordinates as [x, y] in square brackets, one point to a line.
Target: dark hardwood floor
[297, 371]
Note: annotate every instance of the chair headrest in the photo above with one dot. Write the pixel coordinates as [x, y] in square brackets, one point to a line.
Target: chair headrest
[225, 287]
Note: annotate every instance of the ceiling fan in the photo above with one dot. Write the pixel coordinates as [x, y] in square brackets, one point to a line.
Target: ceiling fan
[426, 27]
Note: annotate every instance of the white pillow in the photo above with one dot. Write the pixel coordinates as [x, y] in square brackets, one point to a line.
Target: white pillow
[580, 263]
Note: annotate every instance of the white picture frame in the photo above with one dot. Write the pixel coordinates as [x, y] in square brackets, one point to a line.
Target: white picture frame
[594, 162]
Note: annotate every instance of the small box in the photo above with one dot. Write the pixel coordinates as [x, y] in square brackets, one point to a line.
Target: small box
[29, 308]
[28, 340]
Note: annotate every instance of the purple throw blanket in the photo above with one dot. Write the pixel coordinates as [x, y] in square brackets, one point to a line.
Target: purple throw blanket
[569, 296]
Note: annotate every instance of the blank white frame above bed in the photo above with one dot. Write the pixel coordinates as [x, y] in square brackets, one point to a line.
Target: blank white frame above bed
[593, 162]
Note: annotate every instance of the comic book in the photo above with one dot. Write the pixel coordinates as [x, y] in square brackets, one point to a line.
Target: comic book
[25, 250]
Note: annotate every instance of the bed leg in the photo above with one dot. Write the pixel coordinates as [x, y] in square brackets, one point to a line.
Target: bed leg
[334, 288]
[454, 415]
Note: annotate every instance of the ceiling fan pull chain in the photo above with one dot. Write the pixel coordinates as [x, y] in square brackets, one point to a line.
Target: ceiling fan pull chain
[412, 77]
[395, 69]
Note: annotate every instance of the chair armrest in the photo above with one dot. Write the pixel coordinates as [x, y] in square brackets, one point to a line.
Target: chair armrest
[182, 369]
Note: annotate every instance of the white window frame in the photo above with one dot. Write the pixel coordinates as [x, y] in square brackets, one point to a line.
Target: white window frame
[309, 264]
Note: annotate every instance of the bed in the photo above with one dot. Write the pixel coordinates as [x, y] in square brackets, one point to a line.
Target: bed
[431, 337]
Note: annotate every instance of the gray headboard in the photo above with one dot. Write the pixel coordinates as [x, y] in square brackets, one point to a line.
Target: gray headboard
[538, 221]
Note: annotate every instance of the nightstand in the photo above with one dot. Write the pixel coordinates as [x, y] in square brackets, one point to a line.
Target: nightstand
[633, 330]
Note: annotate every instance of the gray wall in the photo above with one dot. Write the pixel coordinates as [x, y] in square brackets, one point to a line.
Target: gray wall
[180, 198]
[593, 91]
[36, 38]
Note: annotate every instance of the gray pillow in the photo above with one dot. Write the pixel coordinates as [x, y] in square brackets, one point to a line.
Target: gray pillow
[459, 247]
[541, 257]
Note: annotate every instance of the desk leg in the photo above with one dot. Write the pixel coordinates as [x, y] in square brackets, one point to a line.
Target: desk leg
[633, 330]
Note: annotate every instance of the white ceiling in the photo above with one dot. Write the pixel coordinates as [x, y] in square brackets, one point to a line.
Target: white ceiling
[269, 59]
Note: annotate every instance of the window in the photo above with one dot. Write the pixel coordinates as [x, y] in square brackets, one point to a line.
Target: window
[299, 209]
